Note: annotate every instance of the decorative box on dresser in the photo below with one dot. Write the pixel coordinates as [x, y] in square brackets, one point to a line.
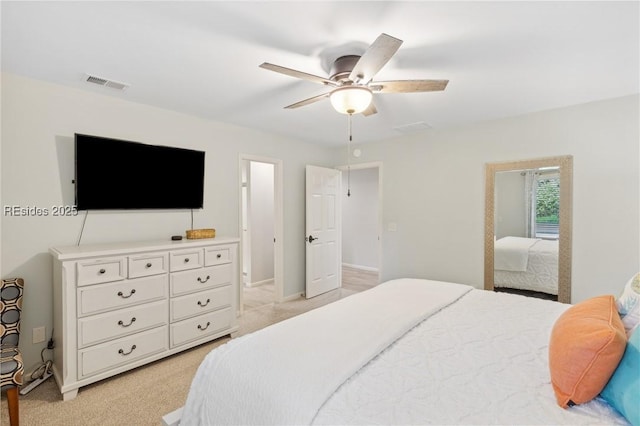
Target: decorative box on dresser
[120, 306]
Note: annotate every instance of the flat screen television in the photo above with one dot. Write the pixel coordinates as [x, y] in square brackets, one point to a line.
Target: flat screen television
[112, 174]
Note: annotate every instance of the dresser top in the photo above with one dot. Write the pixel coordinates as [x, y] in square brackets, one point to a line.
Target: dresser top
[114, 249]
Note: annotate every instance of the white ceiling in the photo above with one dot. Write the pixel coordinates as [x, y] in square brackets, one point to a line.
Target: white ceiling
[201, 58]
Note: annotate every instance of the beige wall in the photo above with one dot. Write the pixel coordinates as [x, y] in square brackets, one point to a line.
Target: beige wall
[360, 220]
[510, 214]
[261, 221]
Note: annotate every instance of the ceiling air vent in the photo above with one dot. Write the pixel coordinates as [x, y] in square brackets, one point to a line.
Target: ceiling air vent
[105, 82]
[420, 126]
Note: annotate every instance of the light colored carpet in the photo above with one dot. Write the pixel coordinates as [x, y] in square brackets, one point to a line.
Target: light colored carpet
[258, 296]
[142, 396]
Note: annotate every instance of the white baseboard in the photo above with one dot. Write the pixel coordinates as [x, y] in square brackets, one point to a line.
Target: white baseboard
[259, 283]
[361, 267]
[292, 297]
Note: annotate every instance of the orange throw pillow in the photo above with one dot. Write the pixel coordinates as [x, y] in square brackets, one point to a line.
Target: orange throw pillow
[587, 343]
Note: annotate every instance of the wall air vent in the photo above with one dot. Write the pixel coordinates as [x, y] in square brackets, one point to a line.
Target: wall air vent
[105, 82]
[420, 126]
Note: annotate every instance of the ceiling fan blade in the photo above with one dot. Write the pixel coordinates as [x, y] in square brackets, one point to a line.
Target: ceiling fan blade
[374, 58]
[297, 74]
[371, 109]
[408, 86]
[308, 101]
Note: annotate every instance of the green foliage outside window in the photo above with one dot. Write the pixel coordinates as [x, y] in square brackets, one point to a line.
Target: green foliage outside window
[548, 200]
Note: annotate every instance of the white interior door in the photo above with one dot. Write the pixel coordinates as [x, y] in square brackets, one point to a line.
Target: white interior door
[323, 226]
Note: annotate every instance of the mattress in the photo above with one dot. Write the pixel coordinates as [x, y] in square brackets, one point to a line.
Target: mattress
[477, 357]
[541, 273]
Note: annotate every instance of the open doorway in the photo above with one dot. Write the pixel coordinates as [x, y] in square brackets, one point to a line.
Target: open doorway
[261, 230]
[361, 226]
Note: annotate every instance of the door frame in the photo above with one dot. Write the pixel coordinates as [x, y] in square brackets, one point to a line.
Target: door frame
[278, 216]
[371, 165]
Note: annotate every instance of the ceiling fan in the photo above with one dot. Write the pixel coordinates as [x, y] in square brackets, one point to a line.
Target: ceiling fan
[351, 79]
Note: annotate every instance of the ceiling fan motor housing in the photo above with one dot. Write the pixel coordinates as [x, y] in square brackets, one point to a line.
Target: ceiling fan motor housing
[342, 67]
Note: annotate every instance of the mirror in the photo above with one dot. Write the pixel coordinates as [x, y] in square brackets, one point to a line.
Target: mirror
[527, 228]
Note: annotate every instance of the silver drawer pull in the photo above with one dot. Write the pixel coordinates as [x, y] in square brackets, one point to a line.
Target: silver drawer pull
[127, 325]
[218, 255]
[205, 327]
[122, 352]
[148, 265]
[130, 294]
[200, 280]
[205, 303]
[102, 271]
[186, 260]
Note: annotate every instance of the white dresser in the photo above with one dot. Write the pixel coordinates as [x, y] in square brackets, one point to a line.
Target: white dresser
[120, 306]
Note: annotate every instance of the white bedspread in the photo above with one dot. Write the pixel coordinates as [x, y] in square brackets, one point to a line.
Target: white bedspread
[284, 373]
[512, 253]
[542, 270]
[481, 361]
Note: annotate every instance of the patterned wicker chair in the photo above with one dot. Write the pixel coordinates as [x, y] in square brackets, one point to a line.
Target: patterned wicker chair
[11, 367]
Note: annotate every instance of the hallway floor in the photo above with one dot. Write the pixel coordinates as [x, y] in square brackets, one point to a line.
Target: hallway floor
[352, 279]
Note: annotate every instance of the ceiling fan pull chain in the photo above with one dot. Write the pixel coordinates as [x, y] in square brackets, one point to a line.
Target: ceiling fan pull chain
[349, 157]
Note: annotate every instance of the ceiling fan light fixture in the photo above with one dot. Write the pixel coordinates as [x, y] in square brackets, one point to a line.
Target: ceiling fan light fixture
[351, 99]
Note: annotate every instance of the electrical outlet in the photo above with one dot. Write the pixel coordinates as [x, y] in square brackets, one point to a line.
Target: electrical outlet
[38, 335]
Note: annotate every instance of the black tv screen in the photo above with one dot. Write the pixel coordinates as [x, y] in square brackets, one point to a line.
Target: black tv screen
[113, 174]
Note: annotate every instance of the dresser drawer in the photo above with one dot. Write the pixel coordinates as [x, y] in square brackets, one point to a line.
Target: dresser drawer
[198, 303]
[186, 259]
[101, 271]
[108, 297]
[216, 255]
[146, 265]
[112, 325]
[112, 354]
[201, 326]
[191, 281]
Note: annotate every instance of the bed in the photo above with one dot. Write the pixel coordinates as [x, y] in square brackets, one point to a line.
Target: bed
[526, 264]
[409, 351]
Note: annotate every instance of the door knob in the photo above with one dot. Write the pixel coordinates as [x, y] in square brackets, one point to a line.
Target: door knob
[311, 238]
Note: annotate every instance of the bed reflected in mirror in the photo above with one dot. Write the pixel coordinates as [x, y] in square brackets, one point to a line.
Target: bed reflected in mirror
[528, 227]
